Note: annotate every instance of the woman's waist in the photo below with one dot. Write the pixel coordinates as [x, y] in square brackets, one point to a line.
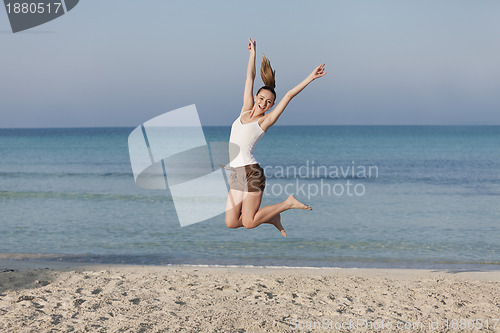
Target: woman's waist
[247, 167]
[242, 160]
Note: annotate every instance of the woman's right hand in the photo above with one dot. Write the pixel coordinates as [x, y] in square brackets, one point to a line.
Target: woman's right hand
[317, 72]
[251, 45]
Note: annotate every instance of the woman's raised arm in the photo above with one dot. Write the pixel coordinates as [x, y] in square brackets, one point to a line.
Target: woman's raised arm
[272, 117]
[248, 94]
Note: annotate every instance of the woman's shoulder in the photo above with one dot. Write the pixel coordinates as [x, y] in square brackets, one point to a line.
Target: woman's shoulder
[243, 112]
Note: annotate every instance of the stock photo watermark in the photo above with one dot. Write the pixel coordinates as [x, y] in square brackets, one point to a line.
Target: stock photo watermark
[449, 324]
[170, 152]
[312, 179]
[26, 14]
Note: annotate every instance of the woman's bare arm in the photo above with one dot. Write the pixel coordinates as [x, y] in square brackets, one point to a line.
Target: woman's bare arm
[272, 117]
[248, 94]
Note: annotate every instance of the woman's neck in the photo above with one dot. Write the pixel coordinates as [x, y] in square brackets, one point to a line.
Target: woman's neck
[254, 113]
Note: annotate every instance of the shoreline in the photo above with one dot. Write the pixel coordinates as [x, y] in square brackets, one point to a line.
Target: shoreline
[27, 265]
[75, 260]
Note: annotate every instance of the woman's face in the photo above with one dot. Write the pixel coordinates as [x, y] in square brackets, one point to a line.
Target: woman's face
[264, 100]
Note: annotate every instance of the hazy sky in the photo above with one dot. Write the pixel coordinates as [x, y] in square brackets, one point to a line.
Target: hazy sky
[120, 63]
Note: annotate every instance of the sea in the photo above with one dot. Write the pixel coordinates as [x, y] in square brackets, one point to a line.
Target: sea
[382, 197]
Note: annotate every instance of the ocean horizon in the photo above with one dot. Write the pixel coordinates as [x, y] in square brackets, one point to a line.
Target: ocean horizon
[383, 196]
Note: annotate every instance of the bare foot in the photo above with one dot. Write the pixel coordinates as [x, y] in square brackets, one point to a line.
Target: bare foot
[276, 221]
[296, 204]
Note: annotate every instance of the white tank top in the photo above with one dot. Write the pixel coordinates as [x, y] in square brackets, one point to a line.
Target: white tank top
[245, 136]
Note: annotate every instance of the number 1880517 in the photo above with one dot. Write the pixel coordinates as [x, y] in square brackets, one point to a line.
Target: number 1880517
[33, 8]
[462, 323]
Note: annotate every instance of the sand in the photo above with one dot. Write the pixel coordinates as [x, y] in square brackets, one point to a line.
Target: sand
[63, 297]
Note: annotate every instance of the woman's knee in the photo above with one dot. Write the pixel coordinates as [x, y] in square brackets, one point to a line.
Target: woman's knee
[248, 223]
[232, 223]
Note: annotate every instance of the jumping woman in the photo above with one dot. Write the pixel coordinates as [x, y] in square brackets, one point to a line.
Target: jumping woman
[247, 180]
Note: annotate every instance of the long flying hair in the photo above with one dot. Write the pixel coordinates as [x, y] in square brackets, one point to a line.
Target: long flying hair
[268, 76]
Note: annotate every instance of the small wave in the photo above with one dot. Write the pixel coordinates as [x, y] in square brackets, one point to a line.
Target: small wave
[169, 261]
[271, 176]
[162, 196]
[82, 196]
[18, 174]
[27, 256]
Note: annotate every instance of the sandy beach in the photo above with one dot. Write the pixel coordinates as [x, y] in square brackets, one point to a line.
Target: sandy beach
[71, 297]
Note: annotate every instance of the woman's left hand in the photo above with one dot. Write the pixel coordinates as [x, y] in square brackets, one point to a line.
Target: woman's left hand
[251, 45]
[318, 72]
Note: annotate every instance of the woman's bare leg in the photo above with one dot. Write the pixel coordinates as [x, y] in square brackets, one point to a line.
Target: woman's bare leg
[233, 209]
[276, 221]
[234, 218]
[253, 217]
[267, 212]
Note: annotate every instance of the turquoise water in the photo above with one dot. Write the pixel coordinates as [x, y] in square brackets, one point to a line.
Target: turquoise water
[429, 197]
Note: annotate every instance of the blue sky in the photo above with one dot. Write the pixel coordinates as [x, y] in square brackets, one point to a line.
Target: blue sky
[120, 63]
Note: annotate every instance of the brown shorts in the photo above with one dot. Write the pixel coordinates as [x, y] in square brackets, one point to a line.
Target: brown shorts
[247, 178]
